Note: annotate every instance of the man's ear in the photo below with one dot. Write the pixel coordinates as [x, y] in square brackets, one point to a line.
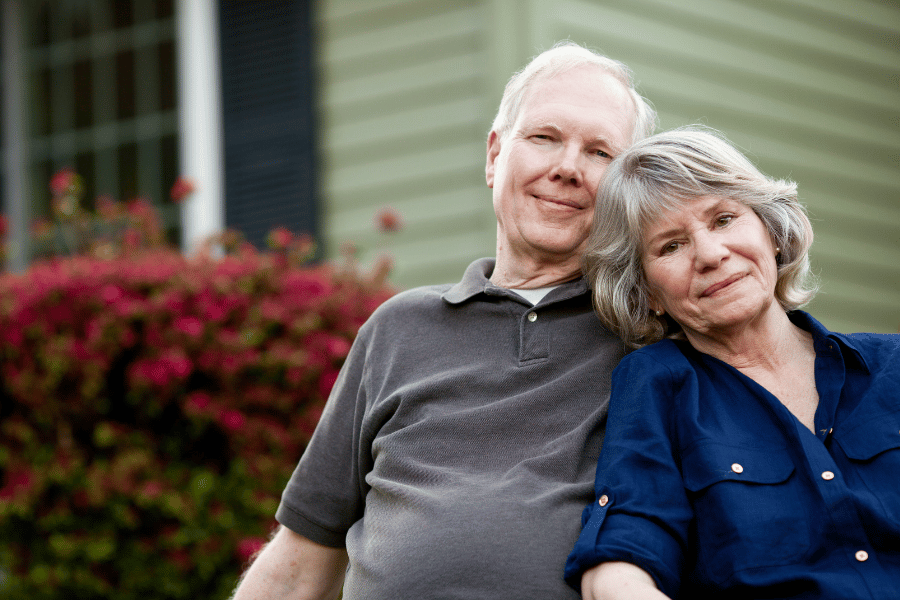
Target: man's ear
[493, 149]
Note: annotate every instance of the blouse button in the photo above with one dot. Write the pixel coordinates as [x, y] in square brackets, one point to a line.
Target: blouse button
[827, 475]
[737, 468]
[862, 556]
[604, 500]
[532, 316]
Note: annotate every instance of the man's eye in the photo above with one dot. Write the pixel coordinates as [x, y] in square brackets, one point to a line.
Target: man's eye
[603, 154]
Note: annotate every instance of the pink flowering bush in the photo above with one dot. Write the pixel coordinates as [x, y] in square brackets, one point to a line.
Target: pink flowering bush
[153, 406]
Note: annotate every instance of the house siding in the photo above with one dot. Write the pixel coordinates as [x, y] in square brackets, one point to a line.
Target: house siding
[806, 88]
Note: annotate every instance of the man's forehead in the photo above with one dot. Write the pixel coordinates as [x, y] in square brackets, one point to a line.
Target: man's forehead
[602, 97]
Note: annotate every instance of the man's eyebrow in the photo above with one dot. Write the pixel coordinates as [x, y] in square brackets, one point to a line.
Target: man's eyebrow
[543, 125]
[598, 140]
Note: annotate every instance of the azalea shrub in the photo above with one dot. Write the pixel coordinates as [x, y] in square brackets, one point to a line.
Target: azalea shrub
[153, 406]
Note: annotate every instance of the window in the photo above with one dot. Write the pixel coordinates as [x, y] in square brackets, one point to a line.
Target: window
[100, 94]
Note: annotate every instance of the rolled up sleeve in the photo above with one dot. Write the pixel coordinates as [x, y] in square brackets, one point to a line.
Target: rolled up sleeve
[641, 513]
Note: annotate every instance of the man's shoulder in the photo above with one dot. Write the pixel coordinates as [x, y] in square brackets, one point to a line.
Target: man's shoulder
[414, 299]
[407, 307]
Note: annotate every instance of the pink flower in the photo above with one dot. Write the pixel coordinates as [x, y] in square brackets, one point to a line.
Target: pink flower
[338, 347]
[388, 220]
[189, 326]
[182, 188]
[107, 207]
[181, 559]
[248, 547]
[19, 480]
[279, 238]
[232, 420]
[131, 238]
[179, 365]
[62, 181]
[199, 401]
[152, 489]
[326, 382]
[157, 372]
[111, 293]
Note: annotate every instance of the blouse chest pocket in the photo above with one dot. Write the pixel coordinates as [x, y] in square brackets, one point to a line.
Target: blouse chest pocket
[865, 441]
[872, 448]
[748, 509]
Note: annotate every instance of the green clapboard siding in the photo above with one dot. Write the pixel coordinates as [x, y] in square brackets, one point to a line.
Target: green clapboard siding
[404, 126]
[809, 89]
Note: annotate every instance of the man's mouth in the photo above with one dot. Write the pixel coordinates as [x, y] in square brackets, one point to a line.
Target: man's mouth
[560, 201]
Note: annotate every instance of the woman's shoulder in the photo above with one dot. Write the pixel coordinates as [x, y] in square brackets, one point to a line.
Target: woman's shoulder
[879, 351]
[665, 354]
[664, 364]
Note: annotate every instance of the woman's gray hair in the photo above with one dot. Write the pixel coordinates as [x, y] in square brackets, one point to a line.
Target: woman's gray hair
[565, 56]
[667, 171]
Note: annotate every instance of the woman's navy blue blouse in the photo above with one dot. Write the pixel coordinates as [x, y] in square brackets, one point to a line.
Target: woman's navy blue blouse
[710, 484]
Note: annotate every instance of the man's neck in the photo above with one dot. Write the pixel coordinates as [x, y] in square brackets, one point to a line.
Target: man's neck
[534, 274]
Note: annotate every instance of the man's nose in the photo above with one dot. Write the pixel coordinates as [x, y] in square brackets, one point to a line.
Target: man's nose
[567, 166]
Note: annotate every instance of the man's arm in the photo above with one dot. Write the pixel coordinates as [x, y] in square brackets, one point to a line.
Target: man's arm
[291, 567]
[619, 581]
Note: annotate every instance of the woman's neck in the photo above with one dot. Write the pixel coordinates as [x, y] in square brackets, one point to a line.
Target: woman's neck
[759, 343]
[777, 355]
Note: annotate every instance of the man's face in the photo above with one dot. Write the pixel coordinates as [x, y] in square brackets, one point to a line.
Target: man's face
[545, 173]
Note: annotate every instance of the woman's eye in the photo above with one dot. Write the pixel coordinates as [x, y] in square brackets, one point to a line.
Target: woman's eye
[724, 220]
[603, 154]
[670, 247]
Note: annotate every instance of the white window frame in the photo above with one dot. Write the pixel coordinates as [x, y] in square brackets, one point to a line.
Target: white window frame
[199, 127]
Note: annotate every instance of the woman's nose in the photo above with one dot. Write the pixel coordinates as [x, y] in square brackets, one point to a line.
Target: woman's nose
[709, 251]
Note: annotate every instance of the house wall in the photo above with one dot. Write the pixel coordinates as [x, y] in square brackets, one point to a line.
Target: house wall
[807, 88]
[404, 118]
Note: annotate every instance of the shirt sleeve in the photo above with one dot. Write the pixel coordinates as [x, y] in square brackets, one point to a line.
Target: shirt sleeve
[326, 492]
[641, 513]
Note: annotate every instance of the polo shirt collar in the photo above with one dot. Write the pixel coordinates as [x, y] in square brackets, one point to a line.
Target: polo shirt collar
[476, 280]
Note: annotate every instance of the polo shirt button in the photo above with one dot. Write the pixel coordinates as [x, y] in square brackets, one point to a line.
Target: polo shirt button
[532, 316]
[827, 475]
[737, 468]
[604, 500]
[862, 556]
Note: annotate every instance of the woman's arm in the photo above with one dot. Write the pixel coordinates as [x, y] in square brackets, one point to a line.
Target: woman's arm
[619, 581]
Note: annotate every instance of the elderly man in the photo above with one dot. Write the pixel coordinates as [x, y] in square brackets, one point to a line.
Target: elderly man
[457, 450]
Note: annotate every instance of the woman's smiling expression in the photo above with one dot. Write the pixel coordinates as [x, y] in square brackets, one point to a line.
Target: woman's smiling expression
[710, 264]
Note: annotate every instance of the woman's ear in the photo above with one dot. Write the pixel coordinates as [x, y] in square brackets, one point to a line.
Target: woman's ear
[654, 305]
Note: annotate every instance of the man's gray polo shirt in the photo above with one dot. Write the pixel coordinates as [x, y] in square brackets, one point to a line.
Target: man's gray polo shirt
[458, 448]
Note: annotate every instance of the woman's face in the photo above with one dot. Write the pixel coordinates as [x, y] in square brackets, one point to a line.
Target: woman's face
[710, 265]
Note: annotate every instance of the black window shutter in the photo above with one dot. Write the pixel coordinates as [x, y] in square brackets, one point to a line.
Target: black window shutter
[268, 106]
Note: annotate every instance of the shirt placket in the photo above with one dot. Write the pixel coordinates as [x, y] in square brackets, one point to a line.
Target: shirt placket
[841, 513]
[534, 335]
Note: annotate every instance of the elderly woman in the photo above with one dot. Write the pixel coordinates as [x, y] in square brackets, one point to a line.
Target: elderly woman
[750, 451]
